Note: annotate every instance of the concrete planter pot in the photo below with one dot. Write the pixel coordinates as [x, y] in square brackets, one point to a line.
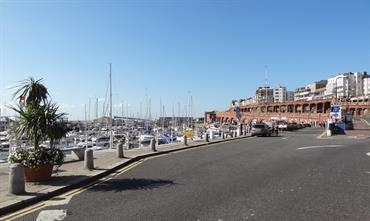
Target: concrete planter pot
[38, 174]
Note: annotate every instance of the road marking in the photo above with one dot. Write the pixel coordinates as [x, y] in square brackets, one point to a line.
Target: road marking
[368, 154]
[58, 201]
[55, 215]
[313, 147]
[24, 212]
[321, 135]
[284, 138]
[66, 197]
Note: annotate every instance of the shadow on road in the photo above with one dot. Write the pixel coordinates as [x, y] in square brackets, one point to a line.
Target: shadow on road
[120, 185]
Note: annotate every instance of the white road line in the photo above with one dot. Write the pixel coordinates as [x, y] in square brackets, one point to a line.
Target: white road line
[313, 147]
[55, 215]
[368, 154]
[59, 201]
[321, 135]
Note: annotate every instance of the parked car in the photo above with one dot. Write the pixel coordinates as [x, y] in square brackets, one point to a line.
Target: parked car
[282, 126]
[261, 129]
[292, 126]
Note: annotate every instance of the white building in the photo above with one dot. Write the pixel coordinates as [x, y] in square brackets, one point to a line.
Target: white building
[358, 78]
[366, 85]
[317, 89]
[250, 101]
[4, 123]
[243, 102]
[346, 85]
[302, 93]
[280, 94]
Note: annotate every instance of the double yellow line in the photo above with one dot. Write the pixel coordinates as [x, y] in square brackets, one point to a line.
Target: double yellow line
[68, 195]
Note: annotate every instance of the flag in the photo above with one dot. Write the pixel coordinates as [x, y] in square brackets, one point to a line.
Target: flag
[22, 101]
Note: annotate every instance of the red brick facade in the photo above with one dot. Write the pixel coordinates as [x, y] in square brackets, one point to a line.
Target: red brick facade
[315, 110]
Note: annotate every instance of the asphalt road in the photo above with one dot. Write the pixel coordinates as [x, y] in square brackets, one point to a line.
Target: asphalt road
[291, 177]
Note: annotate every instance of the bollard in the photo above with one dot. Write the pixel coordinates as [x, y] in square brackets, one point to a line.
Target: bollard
[223, 135]
[152, 144]
[120, 150]
[211, 135]
[238, 132]
[328, 133]
[16, 179]
[207, 137]
[89, 159]
[185, 140]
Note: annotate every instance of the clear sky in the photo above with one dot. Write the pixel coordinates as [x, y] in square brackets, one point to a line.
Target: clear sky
[213, 51]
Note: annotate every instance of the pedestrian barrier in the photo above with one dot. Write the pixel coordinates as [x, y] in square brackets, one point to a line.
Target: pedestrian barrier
[77, 153]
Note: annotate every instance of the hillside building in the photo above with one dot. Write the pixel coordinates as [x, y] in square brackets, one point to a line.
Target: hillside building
[280, 94]
[264, 95]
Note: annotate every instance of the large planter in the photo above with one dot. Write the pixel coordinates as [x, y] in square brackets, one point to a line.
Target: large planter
[39, 174]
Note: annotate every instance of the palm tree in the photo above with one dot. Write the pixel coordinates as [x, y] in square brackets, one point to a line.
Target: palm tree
[30, 124]
[32, 91]
[55, 126]
[38, 120]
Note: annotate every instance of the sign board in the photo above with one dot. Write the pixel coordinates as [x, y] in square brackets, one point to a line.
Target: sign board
[335, 109]
[189, 134]
[335, 112]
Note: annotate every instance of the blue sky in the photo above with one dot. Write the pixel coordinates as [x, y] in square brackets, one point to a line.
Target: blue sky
[213, 51]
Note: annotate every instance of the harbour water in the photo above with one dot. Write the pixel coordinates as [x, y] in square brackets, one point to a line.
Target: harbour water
[3, 156]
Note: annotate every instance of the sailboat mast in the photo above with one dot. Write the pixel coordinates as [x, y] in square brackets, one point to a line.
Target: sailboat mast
[110, 106]
[96, 108]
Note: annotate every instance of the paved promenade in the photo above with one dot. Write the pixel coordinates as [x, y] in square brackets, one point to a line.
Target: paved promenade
[73, 174]
[361, 131]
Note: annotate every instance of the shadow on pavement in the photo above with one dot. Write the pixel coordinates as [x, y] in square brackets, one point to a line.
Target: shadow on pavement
[120, 185]
[32, 194]
[63, 180]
